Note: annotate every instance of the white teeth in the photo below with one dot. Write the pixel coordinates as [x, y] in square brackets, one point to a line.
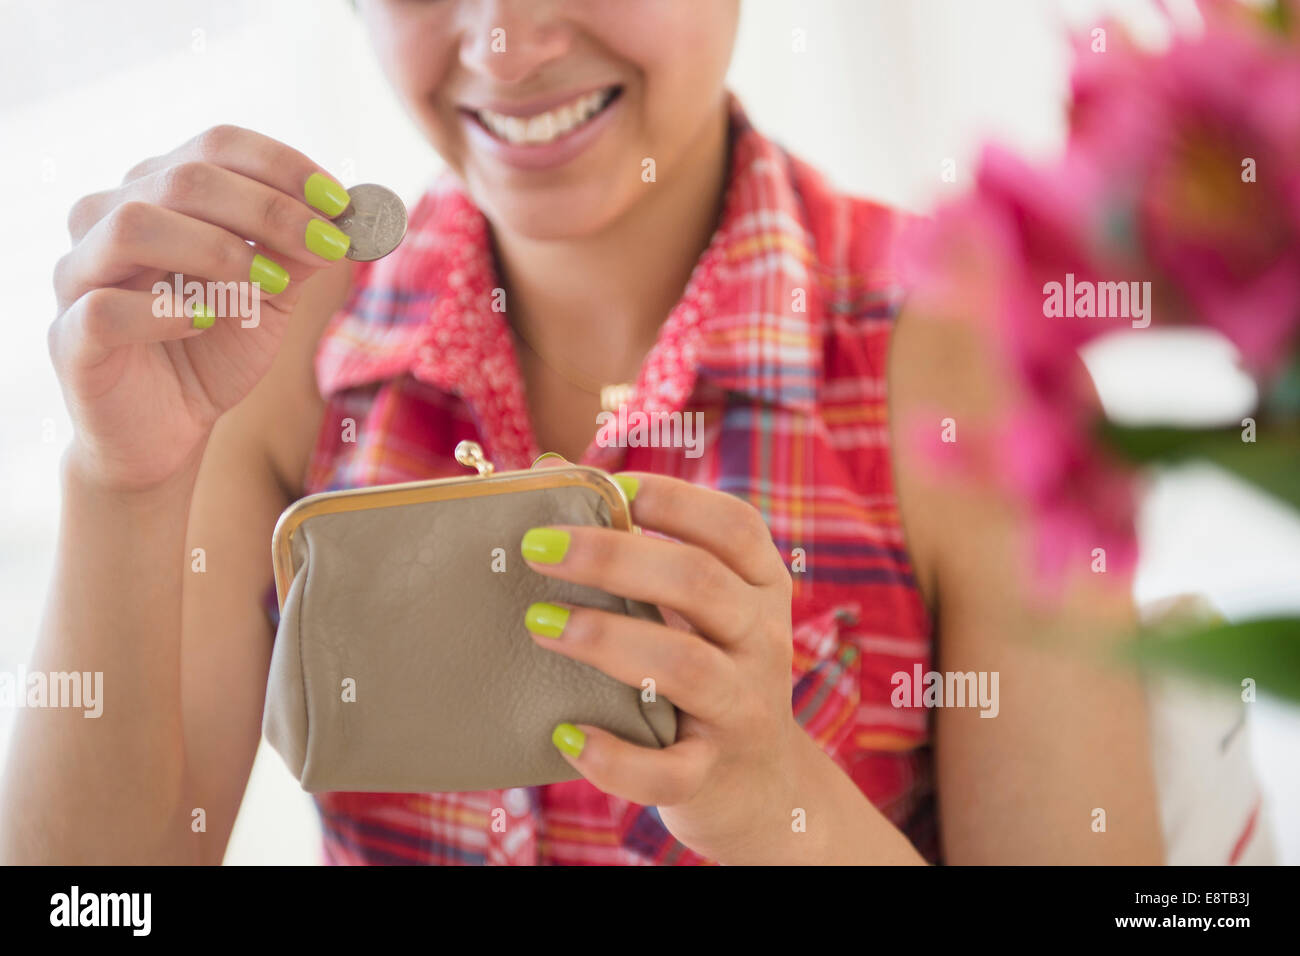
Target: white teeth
[540, 128]
[548, 126]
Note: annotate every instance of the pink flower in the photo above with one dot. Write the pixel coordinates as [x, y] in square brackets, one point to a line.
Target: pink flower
[1201, 147]
[986, 259]
[1055, 228]
[1080, 497]
[1154, 187]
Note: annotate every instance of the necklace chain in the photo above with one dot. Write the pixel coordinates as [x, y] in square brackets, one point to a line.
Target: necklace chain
[611, 394]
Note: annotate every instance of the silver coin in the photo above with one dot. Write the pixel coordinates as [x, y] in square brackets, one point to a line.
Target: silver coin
[375, 221]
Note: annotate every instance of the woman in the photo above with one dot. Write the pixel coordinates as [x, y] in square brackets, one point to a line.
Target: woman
[639, 231]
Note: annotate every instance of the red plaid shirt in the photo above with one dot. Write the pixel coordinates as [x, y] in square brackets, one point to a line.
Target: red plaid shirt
[780, 340]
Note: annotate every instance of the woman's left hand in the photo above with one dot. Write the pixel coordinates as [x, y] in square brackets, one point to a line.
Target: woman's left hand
[727, 787]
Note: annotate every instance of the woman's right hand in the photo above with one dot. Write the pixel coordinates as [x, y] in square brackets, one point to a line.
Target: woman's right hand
[229, 206]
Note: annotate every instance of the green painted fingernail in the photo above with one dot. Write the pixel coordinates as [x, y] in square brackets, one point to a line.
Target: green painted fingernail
[568, 739]
[545, 545]
[549, 454]
[545, 619]
[327, 240]
[628, 484]
[326, 195]
[202, 316]
[269, 275]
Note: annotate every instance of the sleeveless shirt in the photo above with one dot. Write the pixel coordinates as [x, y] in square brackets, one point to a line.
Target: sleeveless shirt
[779, 343]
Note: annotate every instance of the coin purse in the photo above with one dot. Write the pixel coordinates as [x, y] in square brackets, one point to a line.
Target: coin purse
[401, 662]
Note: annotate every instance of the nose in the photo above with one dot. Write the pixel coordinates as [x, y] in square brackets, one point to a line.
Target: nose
[509, 40]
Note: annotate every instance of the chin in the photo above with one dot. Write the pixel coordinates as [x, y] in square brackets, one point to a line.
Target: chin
[554, 213]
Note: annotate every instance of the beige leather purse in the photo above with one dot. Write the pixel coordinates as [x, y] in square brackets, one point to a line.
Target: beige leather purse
[402, 663]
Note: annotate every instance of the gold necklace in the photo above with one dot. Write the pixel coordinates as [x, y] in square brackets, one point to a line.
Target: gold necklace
[612, 395]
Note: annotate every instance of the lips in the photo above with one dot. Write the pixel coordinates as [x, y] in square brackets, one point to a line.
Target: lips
[542, 133]
[548, 125]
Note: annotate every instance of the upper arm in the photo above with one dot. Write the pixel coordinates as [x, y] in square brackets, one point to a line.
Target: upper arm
[1070, 736]
[251, 468]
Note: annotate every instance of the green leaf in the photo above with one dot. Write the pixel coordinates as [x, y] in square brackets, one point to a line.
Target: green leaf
[1271, 462]
[1277, 16]
[1282, 398]
[1266, 650]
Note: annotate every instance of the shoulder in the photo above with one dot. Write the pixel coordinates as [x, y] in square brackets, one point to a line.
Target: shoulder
[352, 322]
[279, 419]
[352, 310]
[885, 370]
[851, 236]
[851, 250]
[849, 246]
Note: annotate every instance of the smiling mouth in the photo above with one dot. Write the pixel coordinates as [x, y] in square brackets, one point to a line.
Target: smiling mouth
[547, 127]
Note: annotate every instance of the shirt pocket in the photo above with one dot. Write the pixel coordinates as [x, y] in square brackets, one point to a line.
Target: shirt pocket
[843, 678]
[825, 671]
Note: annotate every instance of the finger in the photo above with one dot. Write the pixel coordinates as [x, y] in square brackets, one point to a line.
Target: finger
[245, 207]
[87, 211]
[720, 523]
[694, 674]
[138, 236]
[680, 576]
[550, 459]
[241, 152]
[298, 273]
[258, 157]
[645, 775]
[106, 319]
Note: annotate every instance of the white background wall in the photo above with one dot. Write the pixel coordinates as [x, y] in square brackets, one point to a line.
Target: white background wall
[885, 91]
